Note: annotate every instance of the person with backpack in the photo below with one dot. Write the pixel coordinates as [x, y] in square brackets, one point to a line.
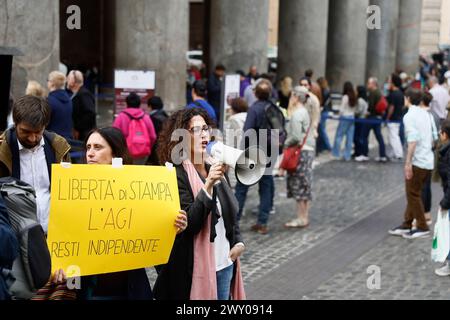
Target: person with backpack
[138, 129]
[263, 115]
[375, 118]
[199, 100]
[9, 250]
[27, 152]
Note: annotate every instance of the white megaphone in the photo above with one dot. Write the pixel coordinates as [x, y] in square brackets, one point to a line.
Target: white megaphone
[249, 165]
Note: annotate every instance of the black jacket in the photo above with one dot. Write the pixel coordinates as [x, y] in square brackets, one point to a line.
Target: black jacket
[444, 172]
[158, 119]
[138, 286]
[84, 116]
[175, 279]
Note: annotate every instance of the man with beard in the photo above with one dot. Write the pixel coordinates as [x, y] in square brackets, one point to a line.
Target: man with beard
[27, 151]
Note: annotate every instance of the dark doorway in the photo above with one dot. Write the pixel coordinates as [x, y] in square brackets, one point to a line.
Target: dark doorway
[90, 49]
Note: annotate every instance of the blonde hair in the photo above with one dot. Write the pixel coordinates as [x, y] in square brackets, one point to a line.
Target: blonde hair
[286, 86]
[34, 88]
[58, 79]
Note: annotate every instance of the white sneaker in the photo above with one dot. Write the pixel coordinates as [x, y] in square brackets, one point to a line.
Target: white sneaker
[417, 234]
[383, 159]
[399, 231]
[362, 159]
[443, 271]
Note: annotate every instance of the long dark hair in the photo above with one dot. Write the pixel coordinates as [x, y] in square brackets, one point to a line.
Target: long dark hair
[362, 92]
[115, 139]
[350, 92]
[178, 120]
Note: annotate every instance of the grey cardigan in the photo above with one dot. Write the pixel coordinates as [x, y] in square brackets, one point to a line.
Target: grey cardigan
[297, 128]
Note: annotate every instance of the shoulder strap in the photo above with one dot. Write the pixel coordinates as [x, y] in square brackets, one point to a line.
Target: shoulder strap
[50, 156]
[12, 142]
[305, 138]
[134, 118]
[198, 104]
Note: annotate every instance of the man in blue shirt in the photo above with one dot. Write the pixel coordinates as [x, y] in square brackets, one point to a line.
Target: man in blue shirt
[199, 99]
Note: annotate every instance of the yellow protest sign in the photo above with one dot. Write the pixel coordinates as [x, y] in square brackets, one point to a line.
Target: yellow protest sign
[105, 219]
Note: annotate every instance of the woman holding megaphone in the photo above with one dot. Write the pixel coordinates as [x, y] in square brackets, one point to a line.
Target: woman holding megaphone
[204, 262]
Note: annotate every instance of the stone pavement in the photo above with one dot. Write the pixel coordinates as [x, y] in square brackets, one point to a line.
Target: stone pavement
[330, 259]
[354, 206]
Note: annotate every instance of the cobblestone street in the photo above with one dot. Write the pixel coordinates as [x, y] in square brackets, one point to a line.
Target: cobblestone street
[345, 195]
[354, 207]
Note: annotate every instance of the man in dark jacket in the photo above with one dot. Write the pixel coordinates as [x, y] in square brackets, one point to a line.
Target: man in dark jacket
[9, 250]
[83, 115]
[215, 89]
[60, 104]
[256, 119]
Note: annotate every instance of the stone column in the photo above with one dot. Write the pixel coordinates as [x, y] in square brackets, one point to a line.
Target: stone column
[409, 28]
[302, 37]
[382, 43]
[33, 28]
[347, 43]
[239, 34]
[153, 35]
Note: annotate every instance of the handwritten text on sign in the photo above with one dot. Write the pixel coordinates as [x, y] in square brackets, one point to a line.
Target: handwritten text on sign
[105, 219]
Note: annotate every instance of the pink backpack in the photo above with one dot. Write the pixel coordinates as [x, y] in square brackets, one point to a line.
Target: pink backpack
[138, 139]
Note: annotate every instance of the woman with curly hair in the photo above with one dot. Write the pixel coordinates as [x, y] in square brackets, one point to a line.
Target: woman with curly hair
[204, 262]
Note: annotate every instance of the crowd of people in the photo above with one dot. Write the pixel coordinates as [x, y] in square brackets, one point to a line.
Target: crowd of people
[204, 262]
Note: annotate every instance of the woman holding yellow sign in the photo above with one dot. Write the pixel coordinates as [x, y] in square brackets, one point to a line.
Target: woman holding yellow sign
[204, 262]
[102, 145]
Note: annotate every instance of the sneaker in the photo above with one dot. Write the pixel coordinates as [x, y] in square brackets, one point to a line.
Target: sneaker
[362, 159]
[399, 231]
[444, 271]
[381, 159]
[417, 234]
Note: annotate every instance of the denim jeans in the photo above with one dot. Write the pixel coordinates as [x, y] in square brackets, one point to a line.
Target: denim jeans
[224, 278]
[266, 195]
[345, 129]
[323, 142]
[377, 129]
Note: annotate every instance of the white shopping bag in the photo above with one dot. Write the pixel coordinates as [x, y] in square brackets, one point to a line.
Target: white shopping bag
[441, 239]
